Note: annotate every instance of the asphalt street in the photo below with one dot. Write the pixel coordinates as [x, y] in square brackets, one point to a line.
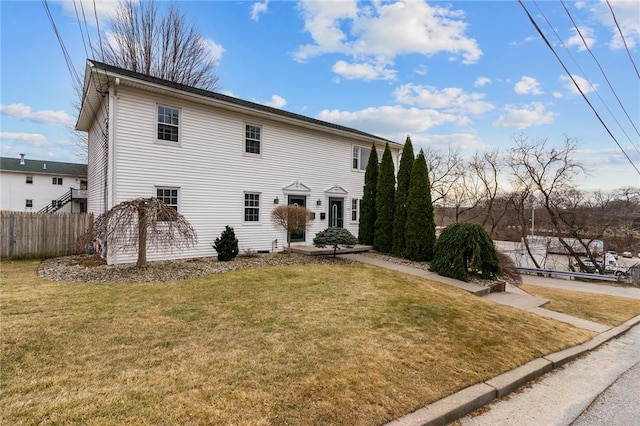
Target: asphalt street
[600, 388]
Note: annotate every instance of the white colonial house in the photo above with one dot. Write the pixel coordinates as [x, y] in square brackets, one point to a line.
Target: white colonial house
[217, 159]
[42, 185]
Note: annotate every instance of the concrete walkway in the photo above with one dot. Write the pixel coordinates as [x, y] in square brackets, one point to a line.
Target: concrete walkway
[474, 397]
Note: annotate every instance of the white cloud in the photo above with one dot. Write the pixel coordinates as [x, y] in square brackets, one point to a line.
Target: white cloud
[533, 114]
[23, 112]
[389, 121]
[576, 40]
[583, 83]
[481, 82]
[528, 86]
[258, 8]
[105, 9]
[33, 139]
[463, 141]
[450, 99]
[214, 50]
[627, 14]
[377, 32]
[364, 71]
[276, 102]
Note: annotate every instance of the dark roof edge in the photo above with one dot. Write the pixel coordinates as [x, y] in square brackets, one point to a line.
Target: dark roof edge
[235, 101]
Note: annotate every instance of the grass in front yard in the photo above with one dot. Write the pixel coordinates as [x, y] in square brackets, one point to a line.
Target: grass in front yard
[603, 309]
[299, 345]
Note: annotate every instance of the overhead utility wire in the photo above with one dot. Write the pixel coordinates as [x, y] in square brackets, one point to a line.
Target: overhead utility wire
[615, 20]
[80, 25]
[595, 90]
[65, 53]
[86, 28]
[95, 12]
[601, 70]
[533, 22]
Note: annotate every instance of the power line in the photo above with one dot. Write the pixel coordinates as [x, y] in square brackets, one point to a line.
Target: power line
[95, 12]
[601, 70]
[615, 20]
[535, 24]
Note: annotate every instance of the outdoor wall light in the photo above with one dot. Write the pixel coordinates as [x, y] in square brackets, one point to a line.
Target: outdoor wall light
[319, 202]
[276, 201]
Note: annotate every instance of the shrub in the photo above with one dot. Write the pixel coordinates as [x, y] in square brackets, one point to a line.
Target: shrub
[334, 237]
[465, 249]
[227, 245]
[509, 271]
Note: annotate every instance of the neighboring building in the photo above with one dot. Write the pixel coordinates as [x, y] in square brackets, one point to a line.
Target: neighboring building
[218, 160]
[42, 186]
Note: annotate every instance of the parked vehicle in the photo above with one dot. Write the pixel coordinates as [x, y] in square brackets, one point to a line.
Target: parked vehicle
[627, 254]
[611, 266]
[613, 253]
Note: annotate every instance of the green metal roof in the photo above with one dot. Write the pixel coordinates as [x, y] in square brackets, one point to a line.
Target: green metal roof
[43, 167]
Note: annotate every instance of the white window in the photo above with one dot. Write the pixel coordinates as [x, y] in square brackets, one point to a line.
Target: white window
[28, 204]
[29, 179]
[56, 181]
[360, 157]
[253, 139]
[168, 124]
[251, 207]
[355, 210]
[169, 196]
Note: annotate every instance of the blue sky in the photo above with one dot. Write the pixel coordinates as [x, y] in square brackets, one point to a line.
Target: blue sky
[467, 75]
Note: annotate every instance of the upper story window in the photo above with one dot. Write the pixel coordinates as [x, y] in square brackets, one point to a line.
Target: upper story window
[29, 179]
[28, 204]
[56, 181]
[253, 139]
[168, 124]
[251, 207]
[360, 157]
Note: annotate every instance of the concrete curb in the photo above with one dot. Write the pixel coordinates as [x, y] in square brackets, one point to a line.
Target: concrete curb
[470, 399]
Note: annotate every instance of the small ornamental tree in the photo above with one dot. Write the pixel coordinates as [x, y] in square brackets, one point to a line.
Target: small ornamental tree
[402, 193]
[291, 218]
[466, 249]
[366, 228]
[227, 245]
[420, 227]
[385, 193]
[335, 237]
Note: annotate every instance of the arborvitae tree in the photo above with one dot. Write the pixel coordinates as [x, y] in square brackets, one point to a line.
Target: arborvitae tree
[420, 230]
[466, 249]
[366, 228]
[402, 192]
[385, 193]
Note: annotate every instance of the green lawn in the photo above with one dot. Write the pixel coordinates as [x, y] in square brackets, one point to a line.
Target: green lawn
[298, 345]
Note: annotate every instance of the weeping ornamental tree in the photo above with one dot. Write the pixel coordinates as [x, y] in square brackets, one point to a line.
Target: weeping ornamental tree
[366, 228]
[420, 228]
[135, 224]
[385, 193]
[465, 249]
[291, 218]
[402, 193]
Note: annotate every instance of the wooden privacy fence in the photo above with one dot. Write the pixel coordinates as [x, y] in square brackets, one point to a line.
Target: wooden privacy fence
[41, 235]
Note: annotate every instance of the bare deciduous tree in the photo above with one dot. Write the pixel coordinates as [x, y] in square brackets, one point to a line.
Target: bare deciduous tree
[136, 223]
[142, 40]
[291, 218]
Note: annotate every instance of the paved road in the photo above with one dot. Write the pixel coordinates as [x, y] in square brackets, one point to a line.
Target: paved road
[561, 397]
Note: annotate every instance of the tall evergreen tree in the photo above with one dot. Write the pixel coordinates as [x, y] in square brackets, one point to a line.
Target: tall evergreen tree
[402, 192]
[366, 228]
[385, 193]
[420, 230]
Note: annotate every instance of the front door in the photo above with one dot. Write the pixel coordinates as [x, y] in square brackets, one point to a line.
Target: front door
[336, 212]
[301, 201]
